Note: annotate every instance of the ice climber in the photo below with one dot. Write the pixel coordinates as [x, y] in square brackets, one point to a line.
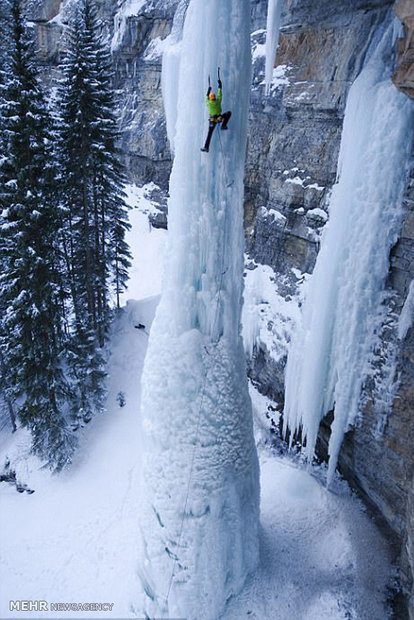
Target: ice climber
[216, 115]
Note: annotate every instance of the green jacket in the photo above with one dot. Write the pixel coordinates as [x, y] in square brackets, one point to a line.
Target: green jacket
[214, 107]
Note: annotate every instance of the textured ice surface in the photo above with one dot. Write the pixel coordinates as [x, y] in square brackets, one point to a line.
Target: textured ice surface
[200, 476]
[330, 351]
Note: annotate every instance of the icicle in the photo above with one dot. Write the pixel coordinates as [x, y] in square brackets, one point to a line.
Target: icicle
[274, 10]
[171, 70]
[330, 351]
[407, 313]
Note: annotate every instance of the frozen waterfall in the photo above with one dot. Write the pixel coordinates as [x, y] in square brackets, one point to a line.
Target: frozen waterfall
[274, 11]
[329, 354]
[200, 484]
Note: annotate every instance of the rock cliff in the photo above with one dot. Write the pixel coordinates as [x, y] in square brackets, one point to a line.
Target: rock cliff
[291, 166]
[292, 159]
[404, 73]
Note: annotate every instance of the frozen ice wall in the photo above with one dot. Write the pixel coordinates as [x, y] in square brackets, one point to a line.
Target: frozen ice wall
[330, 351]
[274, 11]
[170, 70]
[200, 485]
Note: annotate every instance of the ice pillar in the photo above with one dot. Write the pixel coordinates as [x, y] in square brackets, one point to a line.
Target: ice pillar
[200, 472]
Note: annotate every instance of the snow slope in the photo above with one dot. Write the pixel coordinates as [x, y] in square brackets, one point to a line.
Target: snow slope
[75, 539]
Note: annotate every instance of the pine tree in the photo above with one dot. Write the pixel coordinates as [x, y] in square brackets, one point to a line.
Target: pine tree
[97, 256]
[109, 173]
[5, 48]
[31, 338]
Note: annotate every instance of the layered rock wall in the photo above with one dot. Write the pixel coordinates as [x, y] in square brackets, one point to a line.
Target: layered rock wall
[404, 73]
[292, 160]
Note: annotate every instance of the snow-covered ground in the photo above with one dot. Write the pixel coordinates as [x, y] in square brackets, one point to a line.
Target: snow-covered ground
[75, 539]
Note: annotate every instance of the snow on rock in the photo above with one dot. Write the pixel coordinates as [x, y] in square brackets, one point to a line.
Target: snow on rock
[258, 49]
[407, 313]
[274, 10]
[268, 318]
[200, 469]
[295, 180]
[279, 78]
[277, 216]
[154, 49]
[328, 359]
[126, 9]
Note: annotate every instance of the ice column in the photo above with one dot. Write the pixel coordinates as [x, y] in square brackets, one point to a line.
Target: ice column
[330, 351]
[170, 70]
[274, 10]
[200, 485]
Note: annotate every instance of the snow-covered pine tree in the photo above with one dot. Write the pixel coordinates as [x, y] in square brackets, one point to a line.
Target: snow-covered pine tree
[97, 256]
[30, 325]
[5, 35]
[6, 402]
[109, 175]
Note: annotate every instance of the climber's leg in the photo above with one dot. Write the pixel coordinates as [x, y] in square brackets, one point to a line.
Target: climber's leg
[211, 127]
[226, 118]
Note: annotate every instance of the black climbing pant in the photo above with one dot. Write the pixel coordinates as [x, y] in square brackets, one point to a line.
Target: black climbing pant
[214, 120]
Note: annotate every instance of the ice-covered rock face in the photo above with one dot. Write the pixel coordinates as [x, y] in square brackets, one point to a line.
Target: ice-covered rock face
[329, 357]
[200, 480]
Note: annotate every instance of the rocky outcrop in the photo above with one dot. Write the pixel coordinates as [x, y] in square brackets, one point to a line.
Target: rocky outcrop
[295, 133]
[136, 32]
[137, 52]
[403, 76]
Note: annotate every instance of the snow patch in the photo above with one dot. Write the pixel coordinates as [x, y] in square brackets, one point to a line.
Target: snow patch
[155, 49]
[147, 244]
[268, 318]
[295, 181]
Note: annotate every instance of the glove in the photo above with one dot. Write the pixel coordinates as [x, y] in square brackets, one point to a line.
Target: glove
[220, 84]
[209, 91]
